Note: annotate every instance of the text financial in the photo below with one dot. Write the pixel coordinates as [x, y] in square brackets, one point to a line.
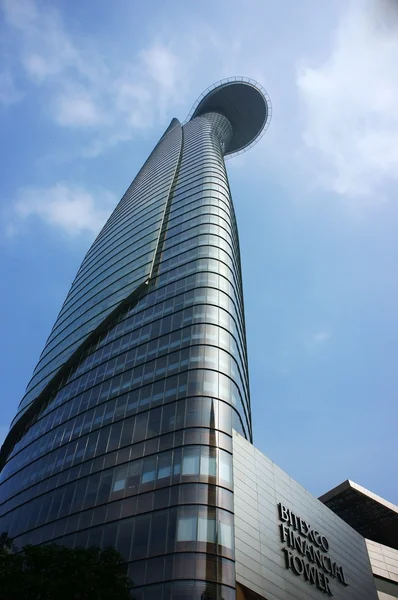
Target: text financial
[309, 545]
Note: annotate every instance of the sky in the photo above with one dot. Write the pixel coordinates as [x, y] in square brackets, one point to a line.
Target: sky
[86, 90]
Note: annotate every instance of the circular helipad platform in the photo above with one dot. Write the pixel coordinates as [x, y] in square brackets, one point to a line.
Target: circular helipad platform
[245, 104]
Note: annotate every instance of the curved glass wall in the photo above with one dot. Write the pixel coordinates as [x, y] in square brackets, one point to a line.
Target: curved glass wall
[119, 261]
[131, 444]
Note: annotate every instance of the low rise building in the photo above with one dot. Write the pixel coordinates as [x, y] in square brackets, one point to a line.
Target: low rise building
[377, 520]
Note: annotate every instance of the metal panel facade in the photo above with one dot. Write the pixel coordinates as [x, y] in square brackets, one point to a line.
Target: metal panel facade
[262, 531]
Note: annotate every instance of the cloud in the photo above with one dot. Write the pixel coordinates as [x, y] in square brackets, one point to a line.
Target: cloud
[85, 89]
[113, 99]
[20, 14]
[321, 337]
[76, 108]
[351, 98]
[162, 65]
[45, 48]
[314, 342]
[69, 208]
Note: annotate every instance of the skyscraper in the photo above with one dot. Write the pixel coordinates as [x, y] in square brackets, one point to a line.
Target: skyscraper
[124, 435]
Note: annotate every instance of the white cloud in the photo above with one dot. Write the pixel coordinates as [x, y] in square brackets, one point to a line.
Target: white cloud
[321, 337]
[114, 99]
[20, 14]
[162, 65]
[76, 108]
[83, 88]
[315, 341]
[351, 100]
[45, 48]
[70, 208]
[39, 68]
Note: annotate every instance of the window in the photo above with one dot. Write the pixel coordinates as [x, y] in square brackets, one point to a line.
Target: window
[109, 535]
[94, 538]
[208, 465]
[186, 529]
[177, 462]
[114, 438]
[164, 467]
[200, 524]
[225, 534]
[225, 466]
[140, 540]
[168, 417]
[190, 463]
[206, 529]
[104, 487]
[158, 533]
[194, 411]
[154, 572]
[149, 470]
[154, 422]
[125, 531]
[140, 427]
[182, 590]
[157, 392]
[120, 479]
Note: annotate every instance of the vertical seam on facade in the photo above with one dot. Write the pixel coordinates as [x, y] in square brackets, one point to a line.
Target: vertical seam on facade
[135, 296]
[166, 212]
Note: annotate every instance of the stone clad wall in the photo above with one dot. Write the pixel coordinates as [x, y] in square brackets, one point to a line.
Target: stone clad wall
[384, 561]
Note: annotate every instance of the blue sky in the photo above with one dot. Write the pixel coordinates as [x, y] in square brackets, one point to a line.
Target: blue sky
[87, 88]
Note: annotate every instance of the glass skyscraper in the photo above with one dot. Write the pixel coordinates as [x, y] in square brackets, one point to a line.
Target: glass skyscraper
[124, 435]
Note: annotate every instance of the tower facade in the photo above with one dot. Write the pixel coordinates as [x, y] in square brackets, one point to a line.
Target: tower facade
[124, 435]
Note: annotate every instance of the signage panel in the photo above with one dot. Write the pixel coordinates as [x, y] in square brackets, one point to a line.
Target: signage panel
[306, 552]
